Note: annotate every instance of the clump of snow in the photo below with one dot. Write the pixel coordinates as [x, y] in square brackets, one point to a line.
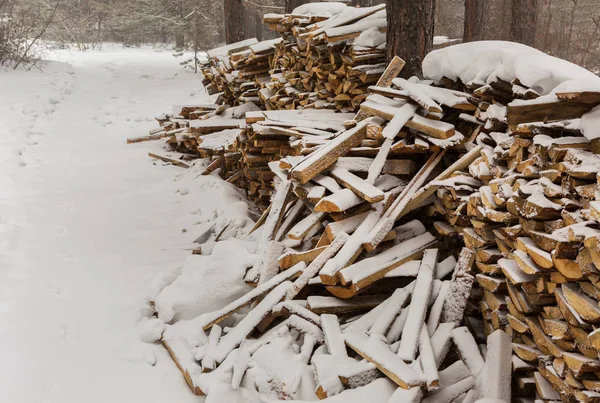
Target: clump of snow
[371, 37]
[151, 330]
[590, 124]
[484, 62]
[206, 283]
[326, 9]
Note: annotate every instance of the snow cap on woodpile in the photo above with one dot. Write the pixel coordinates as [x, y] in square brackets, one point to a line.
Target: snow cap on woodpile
[484, 62]
[326, 9]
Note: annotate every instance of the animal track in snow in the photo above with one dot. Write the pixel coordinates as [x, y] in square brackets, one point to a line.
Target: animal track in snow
[68, 333]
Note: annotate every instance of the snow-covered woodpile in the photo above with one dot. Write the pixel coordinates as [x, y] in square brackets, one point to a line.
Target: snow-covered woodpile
[327, 56]
[440, 245]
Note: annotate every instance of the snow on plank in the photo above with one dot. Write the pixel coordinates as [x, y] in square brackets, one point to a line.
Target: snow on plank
[399, 120]
[359, 186]
[325, 156]
[468, 349]
[338, 202]
[387, 220]
[379, 162]
[334, 340]
[231, 48]
[435, 313]
[302, 228]
[270, 227]
[418, 306]
[351, 248]
[418, 95]
[498, 367]
[215, 317]
[427, 359]
[347, 225]
[292, 258]
[378, 352]
[317, 264]
[294, 307]
[236, 335]
[361, 275]
[454, 373]
[433, 128]
[392, 308]
[441, 341]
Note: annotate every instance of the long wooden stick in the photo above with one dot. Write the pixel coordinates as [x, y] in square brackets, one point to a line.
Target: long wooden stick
[170, 160]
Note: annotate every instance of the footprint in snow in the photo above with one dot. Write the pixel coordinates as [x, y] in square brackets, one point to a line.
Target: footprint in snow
[56, 291]
[68, 333]
[60, 230]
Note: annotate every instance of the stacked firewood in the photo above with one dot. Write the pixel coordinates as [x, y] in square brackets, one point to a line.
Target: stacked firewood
[272, 135]
[346, 272]
[238, 71]
[433, 207]
[321, 61]
[324, 63]
[527, 209]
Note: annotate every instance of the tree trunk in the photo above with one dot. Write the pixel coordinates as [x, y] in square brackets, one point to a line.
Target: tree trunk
[367, 3]
[474, 20]
[410, 25]
[179, 40]
[524, 18]
[252, 24]
[234, 21]
[290, 5]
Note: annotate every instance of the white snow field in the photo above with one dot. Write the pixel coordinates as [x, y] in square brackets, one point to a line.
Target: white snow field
[87, 221]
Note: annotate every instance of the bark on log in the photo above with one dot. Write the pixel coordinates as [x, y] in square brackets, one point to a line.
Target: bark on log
[410, 32]
[524, 18]
[234, 21]
[474, 20]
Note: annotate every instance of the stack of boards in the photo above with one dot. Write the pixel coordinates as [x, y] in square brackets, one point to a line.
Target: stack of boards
[321, 60]
[440, 245]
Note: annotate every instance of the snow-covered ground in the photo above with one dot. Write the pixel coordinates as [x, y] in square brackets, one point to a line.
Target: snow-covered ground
[87, 221]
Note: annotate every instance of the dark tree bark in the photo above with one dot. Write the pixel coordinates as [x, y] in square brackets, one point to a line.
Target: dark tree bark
[367, 3]
[252, 23]
[290, 5]
[410, 32]
[179, 40]
[524, 18]
[234, 21]
[474, 20]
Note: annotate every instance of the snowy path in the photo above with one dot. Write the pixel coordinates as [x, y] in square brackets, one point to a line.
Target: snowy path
[86, 221]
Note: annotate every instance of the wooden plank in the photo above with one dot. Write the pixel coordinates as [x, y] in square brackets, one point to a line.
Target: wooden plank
[498, 366]
[387, 221]
[215, 317]
[418, 307]
[359, 186]
[213, 165]
[170, 160]
[334, 340]
[392, 70]
[518, 112]
[429, 189]
[290, 259]
[376, 351]
[150, 137]
[247, 325]
[325, 156]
